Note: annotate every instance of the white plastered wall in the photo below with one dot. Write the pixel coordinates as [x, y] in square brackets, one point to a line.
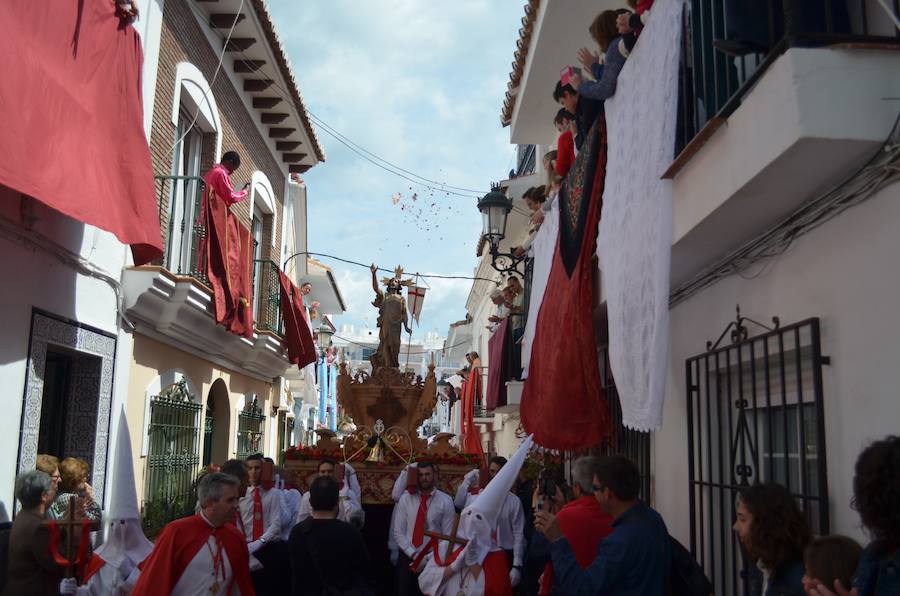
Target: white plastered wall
[844, 273]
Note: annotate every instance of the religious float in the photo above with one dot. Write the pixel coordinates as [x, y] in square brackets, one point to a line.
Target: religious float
[387, 407]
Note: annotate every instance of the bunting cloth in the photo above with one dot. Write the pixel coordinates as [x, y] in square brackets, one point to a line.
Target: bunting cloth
[71, 113]
[636, 230]
[297, 332]
[543, 249]
[562, 404]
[229, 263]
[415, 298]
[495, 395]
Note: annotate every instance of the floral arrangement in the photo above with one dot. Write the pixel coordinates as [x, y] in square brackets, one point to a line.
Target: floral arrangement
[390, 458]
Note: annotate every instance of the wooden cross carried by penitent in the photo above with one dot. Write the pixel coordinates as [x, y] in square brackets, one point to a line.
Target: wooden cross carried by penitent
[71, 527]
[451, 539]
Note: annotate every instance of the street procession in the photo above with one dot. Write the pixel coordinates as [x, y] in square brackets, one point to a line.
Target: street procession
[289, 311]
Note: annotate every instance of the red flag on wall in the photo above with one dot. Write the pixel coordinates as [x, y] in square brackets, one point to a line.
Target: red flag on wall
[71, 113]
[495, 395]
[297, 332]
[229, 263]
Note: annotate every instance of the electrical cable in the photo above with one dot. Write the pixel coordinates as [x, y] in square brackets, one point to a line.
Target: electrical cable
[348, 261]
[363, 152]
[361, 345]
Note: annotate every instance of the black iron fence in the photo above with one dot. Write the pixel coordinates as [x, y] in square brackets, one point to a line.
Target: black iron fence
[755, 414]
[173, 457]
[728, 44]
[627, 442]
[250, 430]
[267, 294]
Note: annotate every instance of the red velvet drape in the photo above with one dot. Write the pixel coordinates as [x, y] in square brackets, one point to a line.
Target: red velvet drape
[229, 265]
[471, 393]
[297, 332]
[562, 402]
[71, 117]
[496, 391]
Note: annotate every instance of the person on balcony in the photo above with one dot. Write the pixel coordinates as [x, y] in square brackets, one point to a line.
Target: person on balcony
[498, 300]
[535, 200]
[586, 110]
[218, 178]
[311, 306]
[605, 32]
[565, 143]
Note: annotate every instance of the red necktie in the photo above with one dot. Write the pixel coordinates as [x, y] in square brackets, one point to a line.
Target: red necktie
[419, 530]
[257, 515]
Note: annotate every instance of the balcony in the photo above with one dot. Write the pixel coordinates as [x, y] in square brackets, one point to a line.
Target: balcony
[770, 126]
[172, 301]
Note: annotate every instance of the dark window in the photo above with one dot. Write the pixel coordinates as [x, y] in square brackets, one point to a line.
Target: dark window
[755, 414]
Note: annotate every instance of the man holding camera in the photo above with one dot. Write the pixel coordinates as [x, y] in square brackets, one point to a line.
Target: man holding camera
[583, 521]
[633, 559]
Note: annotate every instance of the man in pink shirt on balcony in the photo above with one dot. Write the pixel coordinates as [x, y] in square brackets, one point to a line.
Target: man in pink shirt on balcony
[219, 178]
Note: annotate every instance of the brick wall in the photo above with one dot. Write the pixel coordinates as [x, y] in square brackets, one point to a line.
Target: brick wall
[182, 40]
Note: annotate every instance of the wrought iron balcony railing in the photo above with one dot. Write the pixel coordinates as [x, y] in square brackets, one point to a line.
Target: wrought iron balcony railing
[180, 200]
[727, 46]
[267, 296]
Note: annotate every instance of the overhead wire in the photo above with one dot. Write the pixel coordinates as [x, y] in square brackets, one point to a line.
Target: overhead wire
[348, 261]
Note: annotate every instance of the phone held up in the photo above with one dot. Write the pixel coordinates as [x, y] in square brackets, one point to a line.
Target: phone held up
[566, 74]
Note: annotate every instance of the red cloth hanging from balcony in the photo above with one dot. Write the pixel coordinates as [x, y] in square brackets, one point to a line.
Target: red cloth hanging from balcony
[229, 264]
[72, 117]
[297, 332]
[562, 402]
[470, 441]
[495, 395]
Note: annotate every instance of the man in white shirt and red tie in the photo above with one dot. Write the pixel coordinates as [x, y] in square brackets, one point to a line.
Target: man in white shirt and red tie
[202, 554]
[349, 505]
[261, 517]
[425, 509]
[510, 529]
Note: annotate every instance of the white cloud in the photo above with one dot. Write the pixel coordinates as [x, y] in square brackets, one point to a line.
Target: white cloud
[420, 84]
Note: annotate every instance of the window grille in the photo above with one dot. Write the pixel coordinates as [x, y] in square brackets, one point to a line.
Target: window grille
[208, 423]
[755, 414]
[172, 457]
[250, 430]
[630, 443]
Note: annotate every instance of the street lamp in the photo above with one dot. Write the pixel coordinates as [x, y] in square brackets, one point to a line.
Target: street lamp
[495, 208]
[323, 338]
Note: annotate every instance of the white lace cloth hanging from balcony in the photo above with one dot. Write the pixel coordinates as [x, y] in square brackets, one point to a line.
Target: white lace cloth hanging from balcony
[635, 236]
[543, 248]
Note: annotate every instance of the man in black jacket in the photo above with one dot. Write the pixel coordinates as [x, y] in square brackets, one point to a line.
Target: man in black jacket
[325, 551]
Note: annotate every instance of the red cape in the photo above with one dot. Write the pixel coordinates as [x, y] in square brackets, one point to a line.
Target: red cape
[178, 544]
[584, 523]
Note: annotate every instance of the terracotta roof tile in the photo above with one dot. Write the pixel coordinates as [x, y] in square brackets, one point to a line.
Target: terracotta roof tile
[518, 65]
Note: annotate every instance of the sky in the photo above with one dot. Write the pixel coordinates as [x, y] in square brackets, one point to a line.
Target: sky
[419, 83]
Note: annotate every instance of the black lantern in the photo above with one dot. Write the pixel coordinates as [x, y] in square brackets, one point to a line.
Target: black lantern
[495, 208]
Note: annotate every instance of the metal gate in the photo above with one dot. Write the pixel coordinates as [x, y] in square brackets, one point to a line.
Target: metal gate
[209, 421]
[755, 414]
[250, 430]
[633, 444]
[172, 458]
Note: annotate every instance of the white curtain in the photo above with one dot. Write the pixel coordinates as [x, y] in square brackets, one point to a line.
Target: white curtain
[543, 248]
[635, 236]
